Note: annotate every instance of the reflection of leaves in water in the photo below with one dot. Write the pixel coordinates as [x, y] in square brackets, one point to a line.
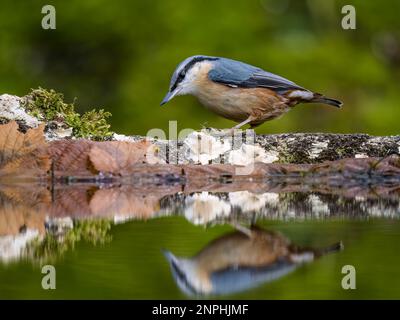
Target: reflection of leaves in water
[80, 201]
[52, 246]
[124, 202]
[23, 206]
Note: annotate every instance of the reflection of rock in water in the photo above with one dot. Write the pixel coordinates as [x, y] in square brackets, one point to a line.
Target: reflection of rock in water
[245, 205]
[60, 235]
[203, 207]
[236, 262]
[29, 205]
[26, 209]
[12, 247]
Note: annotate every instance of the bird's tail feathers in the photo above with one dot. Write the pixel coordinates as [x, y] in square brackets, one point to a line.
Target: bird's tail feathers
[301, 253]
[338, 246]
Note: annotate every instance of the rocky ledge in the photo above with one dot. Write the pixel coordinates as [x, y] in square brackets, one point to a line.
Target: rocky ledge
[208, 146]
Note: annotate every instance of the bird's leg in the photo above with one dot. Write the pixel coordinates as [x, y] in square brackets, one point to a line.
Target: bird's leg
[253, 219]
[232, 130]
[241, 228]
[243, 123]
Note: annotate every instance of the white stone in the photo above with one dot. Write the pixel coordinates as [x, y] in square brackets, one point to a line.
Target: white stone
[203, 148]
[317, 148]
[122, 137]
[361, 156]
[248, 154]
[10, 108]
[58, 134]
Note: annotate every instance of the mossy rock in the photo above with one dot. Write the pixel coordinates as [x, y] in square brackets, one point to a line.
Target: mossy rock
[49, 105]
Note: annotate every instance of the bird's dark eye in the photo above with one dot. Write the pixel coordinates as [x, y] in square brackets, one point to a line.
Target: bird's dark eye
[179, 79]
[181, 76]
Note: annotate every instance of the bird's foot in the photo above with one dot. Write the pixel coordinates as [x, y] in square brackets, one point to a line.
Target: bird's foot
[245, 230]
[220, 132]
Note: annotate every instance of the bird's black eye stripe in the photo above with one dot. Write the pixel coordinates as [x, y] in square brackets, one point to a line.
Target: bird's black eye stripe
[187, 67]
[179, 79]
[181, 276]
[181, 76]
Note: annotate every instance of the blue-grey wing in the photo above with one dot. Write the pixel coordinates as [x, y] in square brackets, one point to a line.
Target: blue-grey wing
[238, 74]
[234, 280]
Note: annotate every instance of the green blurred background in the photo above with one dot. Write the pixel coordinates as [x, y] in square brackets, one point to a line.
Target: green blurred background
[120, 55]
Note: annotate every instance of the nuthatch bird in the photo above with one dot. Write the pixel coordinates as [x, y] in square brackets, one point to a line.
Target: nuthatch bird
[238, 261]
[239, 91]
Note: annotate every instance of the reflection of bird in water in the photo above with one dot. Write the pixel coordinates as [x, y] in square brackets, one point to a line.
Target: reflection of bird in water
[238, 261]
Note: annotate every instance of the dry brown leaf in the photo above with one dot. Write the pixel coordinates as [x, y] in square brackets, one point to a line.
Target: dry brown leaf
[23, 154]
[119, 157]
[71, 157]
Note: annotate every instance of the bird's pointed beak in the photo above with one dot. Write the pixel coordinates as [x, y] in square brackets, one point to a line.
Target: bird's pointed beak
[169, 96]
[168, 255]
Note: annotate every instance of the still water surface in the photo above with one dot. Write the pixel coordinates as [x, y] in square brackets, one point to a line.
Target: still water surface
[123, 243]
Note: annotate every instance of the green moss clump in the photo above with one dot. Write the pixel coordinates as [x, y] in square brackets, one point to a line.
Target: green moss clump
[94, 123]
[51, 247]
[49, 105]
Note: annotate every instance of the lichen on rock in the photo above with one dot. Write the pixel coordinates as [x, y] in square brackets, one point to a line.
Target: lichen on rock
[248, 154]
[202, 148]
[10, 109]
